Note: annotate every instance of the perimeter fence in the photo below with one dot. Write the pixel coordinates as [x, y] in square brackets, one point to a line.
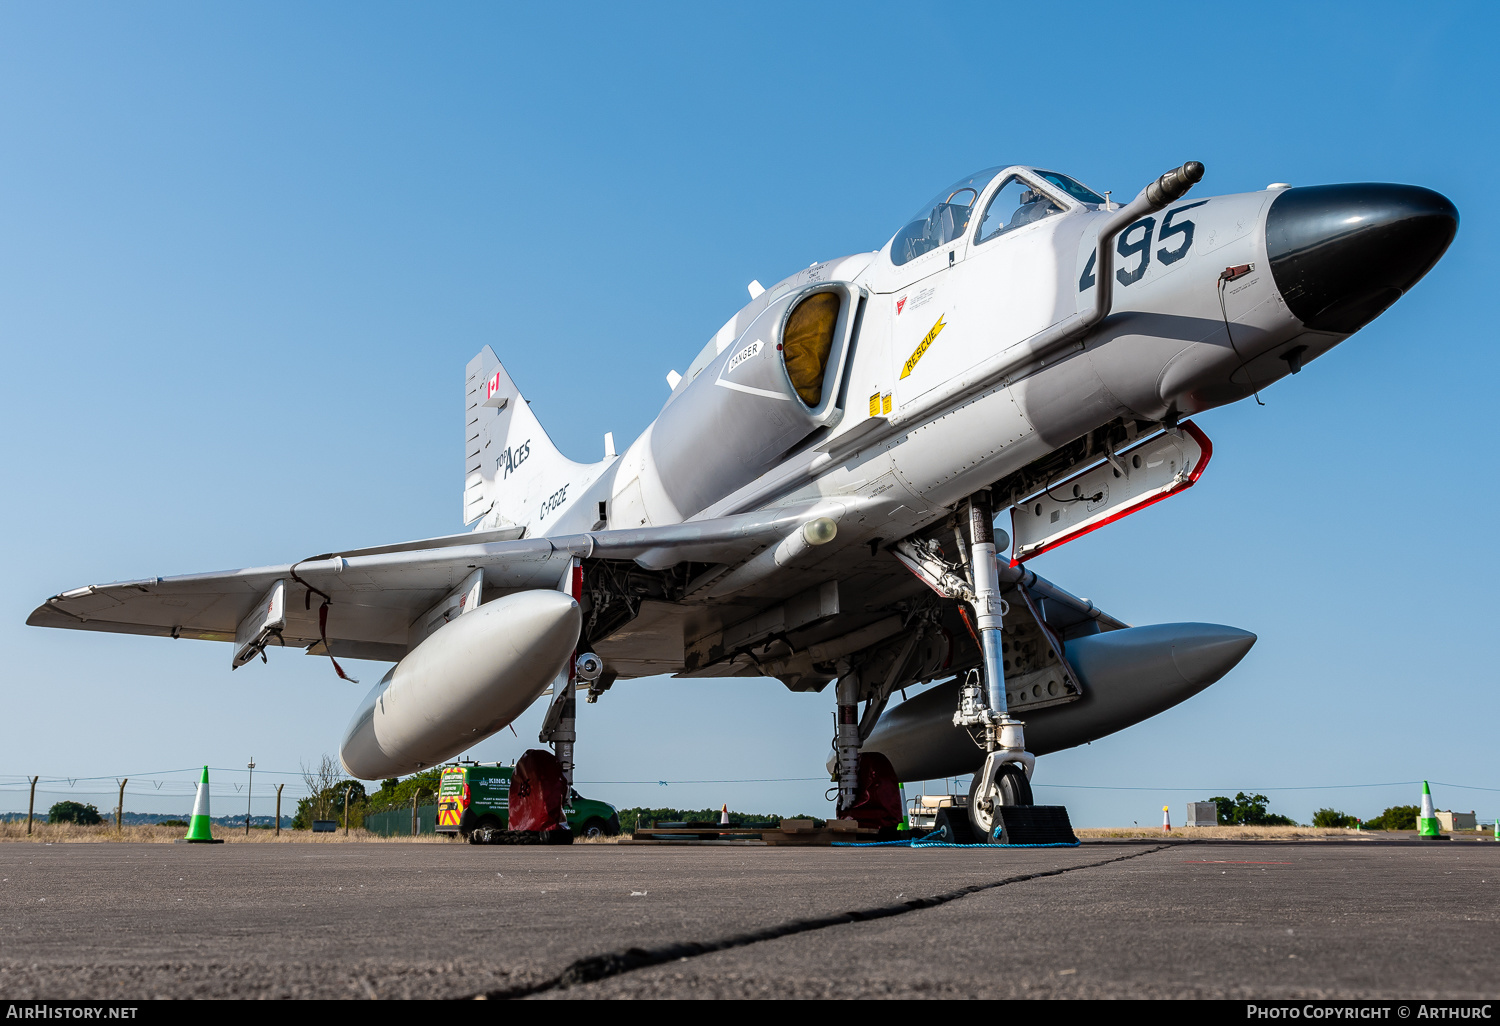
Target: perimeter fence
[402, 820]
[235, 792]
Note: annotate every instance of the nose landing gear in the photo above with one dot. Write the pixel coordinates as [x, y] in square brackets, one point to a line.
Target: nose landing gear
[1004, 779]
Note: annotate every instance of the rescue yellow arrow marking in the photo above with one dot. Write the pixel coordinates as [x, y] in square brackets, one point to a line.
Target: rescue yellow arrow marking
[916, 355]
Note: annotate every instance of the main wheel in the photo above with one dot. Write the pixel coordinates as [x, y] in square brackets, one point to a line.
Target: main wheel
[1013, 789]
[484, 831]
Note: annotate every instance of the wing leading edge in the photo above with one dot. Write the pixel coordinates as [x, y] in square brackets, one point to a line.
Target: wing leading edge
[377, 593]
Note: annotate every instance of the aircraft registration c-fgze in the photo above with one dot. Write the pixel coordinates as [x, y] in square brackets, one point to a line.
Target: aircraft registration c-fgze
[816, 500]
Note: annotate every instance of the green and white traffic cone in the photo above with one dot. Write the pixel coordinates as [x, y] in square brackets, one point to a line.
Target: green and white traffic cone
[200, 831]
[1427, 824]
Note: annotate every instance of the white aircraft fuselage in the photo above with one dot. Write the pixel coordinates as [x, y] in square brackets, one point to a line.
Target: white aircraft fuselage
[814, 502]
[1180, 339]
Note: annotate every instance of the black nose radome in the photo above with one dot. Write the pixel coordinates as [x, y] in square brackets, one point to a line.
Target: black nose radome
[1341, 254]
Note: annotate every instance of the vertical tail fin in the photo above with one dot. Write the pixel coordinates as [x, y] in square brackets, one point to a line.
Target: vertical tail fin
[511, 467]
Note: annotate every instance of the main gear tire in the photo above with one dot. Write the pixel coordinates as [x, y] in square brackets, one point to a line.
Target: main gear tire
[484, 831]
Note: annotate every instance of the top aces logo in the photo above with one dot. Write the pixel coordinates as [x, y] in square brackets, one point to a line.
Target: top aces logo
[511, 458]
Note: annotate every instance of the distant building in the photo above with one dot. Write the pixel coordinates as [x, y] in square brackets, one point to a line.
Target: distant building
[1457, 820]
[1202, 814]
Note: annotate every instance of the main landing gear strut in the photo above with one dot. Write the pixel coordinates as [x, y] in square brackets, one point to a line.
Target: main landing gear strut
[559, 725]
[1004, 779]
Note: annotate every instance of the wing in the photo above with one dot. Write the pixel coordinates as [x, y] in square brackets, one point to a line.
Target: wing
[653, 602]
[377, 595]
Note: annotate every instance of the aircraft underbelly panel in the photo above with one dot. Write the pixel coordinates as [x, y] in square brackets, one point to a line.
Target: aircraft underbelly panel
[651, 643]
[1066, 400]
[979, 441]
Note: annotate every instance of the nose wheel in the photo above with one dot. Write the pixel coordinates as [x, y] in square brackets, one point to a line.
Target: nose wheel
[1011, 788]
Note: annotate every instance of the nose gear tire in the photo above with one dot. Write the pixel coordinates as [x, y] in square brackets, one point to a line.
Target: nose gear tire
[1012, 788]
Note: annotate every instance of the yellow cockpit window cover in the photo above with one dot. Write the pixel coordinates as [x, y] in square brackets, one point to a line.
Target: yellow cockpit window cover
[806, 343]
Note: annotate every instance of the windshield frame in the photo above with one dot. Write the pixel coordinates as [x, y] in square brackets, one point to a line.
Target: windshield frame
[1030, 174]
[1032, 177]
[1042, 172]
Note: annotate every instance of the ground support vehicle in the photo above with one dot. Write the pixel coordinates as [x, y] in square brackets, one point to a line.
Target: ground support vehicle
[475, 796]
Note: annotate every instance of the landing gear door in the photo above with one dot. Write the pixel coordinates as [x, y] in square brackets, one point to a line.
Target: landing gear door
[1052, 680]
[1147, 472]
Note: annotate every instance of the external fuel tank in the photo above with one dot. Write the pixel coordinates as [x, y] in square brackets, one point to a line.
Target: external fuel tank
[469, 679]
[1128, 675]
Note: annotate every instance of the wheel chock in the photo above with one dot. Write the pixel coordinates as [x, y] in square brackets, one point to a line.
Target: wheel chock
[1033, 824]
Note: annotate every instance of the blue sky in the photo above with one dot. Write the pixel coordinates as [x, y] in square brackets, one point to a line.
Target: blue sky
[246, 251]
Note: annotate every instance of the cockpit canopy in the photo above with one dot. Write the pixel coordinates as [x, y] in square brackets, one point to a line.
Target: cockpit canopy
[942, 218]
[947, 215]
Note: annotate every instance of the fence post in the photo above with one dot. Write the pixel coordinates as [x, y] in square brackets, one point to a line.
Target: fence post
[414, 811]
[346, 810]
[278, 808]
[120, 808]
[31, 805]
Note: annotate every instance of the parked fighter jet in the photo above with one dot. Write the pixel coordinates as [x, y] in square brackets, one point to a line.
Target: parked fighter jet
[816, 500]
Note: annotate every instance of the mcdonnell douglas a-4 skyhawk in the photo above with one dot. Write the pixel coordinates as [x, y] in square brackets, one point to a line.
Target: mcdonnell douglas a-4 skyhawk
[816, 501]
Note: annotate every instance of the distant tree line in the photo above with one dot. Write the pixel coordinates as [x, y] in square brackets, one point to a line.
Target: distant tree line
[1333, 818]
[1251, 810]
[1248, 810]
[395, 792]
[73, 812]
[1397, 817]
[326, 787]
[89, 815]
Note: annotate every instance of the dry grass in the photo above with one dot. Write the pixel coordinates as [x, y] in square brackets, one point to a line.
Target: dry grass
[71, 833]
[1233, 833]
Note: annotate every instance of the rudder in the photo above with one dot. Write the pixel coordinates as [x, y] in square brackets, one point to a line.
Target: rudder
[508, 458]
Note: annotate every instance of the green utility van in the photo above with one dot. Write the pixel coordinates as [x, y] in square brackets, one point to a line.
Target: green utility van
[475, 795]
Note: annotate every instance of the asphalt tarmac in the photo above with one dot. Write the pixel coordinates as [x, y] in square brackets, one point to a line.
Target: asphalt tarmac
[1232, 920]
